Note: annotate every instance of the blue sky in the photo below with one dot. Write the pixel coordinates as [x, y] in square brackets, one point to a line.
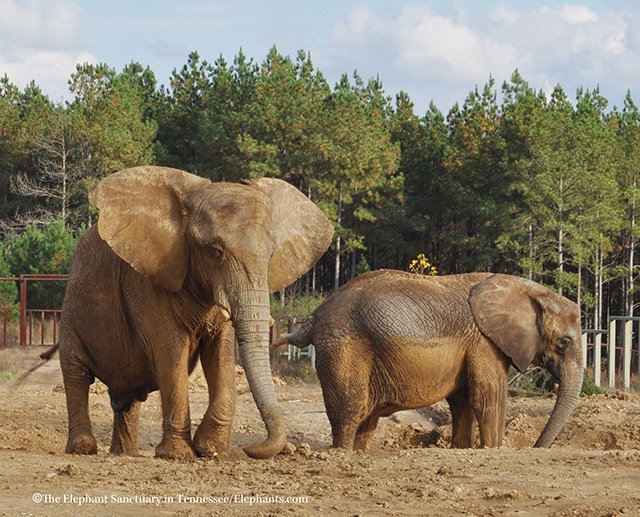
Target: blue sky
[433, 50]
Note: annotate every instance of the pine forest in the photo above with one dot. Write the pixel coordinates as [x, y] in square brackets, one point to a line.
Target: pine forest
[512, 179]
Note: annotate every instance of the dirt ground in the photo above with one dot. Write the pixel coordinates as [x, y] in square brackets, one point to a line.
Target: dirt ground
[593, 469]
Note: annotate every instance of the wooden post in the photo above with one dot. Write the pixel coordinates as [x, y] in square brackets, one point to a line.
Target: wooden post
[611, 360]
[23, 311]
[626, 354]
[597, 359]
[4, 328]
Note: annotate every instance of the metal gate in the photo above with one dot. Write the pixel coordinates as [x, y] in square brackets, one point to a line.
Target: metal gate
[30, 319]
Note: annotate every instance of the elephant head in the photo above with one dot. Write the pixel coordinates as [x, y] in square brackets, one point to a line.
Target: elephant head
[532, 324]
[226, 244]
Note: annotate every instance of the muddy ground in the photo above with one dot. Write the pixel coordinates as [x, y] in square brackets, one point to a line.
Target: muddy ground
[592, 470]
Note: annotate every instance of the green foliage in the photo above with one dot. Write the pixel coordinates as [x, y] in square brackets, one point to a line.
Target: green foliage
[535, 382]
[293, 370]
[532, 184]
[300, 308]
[538, 382]
[47, 250]
[588, 387]
[362, 266]
[10, 374]
[8, 289]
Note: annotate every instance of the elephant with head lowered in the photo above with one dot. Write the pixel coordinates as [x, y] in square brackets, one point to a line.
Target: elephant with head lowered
[174, 263]
[390, 340]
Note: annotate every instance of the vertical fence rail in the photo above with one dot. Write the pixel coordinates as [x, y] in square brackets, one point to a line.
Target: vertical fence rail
[620, 356]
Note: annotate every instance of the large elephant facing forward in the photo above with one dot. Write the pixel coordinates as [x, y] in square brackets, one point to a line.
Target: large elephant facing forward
[390, 340]
[176, 260]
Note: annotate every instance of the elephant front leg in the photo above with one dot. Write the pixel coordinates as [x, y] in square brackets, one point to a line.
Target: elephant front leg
[489, 401]
[76, 387]
[124, 439]
[213, 436]
[173, 381]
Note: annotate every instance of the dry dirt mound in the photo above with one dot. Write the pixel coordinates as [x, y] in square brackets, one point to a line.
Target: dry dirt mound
[593, 469]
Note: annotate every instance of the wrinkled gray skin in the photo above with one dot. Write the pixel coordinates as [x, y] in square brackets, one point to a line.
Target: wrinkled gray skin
[390, 340]
[174, 262]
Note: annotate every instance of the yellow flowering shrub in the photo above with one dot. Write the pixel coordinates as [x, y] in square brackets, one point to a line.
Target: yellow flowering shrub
[422, 266]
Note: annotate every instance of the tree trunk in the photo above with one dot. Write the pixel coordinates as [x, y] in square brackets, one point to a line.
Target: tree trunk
[560, 243]
[336, 273]
[632, 245]
[597, 316]
[560, 258]
[530, 252]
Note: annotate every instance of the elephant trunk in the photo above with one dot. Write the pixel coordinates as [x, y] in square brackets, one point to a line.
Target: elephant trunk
[252, 331]
[566, 401]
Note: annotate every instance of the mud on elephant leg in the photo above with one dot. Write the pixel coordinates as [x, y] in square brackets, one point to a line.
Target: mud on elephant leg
[213, 436]
[76, 386]
[490, 405]
[347, 397]
[124, 439]
[463, 421]
[173, 381]
[364, 434]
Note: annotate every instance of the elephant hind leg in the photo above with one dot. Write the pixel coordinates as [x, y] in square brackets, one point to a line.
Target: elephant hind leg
[344, 377]
[364, 434]
[345, 415]
[124, 439]
[463, 421]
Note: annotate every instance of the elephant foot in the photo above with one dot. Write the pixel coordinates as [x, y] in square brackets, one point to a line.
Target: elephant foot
[212, 442]
[123, 448]
[175, 449]
[82, 444]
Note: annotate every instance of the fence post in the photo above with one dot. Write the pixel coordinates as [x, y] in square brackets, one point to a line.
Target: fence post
[611, 353]
[639, 355]
[23, 311]
[4, 327]
[626, 354]
[584, 350]
[597, 359]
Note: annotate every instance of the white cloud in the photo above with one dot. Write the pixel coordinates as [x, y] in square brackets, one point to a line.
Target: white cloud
[49, 69]
[41, 40]
[578, 14]
[40, 23]
[570, 45]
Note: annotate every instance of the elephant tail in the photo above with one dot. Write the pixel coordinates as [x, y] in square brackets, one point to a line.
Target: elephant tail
[300, 338]
[45, 356]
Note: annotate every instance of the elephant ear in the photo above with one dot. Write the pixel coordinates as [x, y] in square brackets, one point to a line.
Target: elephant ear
[507, 311]
[141, 219]
[300, 232]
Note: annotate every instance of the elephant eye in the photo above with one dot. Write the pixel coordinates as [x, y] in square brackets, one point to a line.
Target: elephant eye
[565, 343]
[216, 251]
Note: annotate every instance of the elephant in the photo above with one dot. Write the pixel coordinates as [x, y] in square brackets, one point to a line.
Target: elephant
[391, 340]
[173, 266]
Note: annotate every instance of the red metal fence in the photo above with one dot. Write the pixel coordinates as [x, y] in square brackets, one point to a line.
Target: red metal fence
[30, 318]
